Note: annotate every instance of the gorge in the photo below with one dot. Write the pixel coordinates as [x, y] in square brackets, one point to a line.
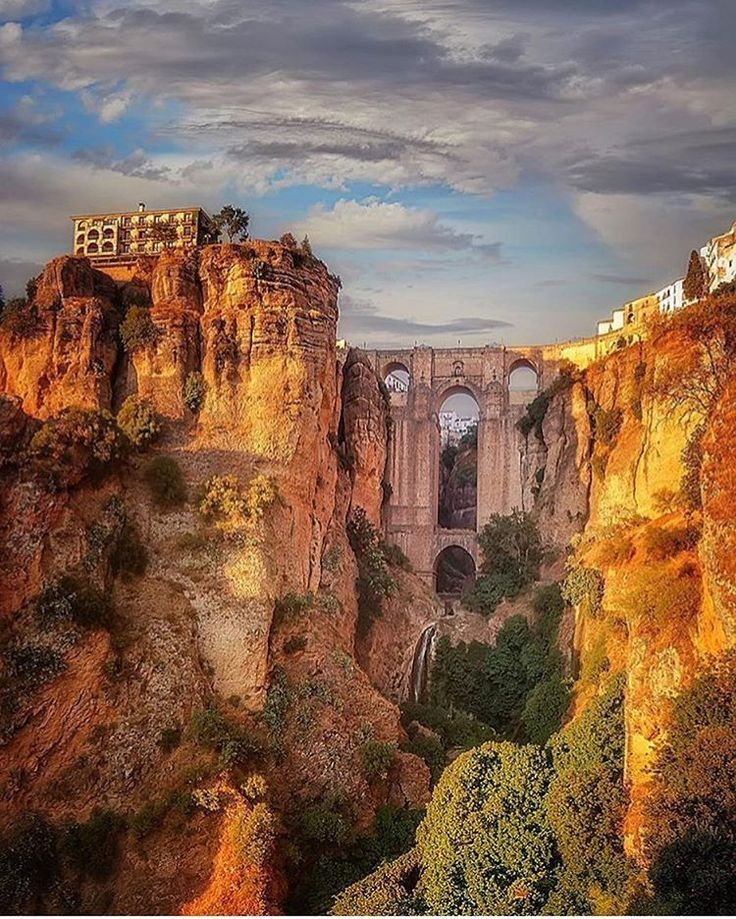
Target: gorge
[232, 676]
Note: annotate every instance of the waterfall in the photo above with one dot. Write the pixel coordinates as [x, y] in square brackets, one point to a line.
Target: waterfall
[420, 663]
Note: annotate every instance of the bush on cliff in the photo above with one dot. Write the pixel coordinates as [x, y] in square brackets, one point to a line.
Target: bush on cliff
[165, 481]
[375, 582]
[376, 758]
[195, 389]
[691, 838]
[77, 442]
[19, 318]
[138, 422]
[129, 557]
[137, 329]
[512, 552]
[221, 500]
[29, 865]
[70, 598]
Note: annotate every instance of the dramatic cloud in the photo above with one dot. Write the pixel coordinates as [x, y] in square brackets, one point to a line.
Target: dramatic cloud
[380, 225]
[360, 318]
[624, 112]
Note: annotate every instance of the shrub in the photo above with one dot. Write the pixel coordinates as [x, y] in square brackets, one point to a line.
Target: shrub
[19, 318]
[138, 422]
[544, 708]
[395, 557]
[389, 891]
[291, 606]
[165, 481]
[325, 821]
[92, 848]
[191, 542]
[486, 844]
[278, 701]
[169, 739]
[195, 390]
[455, 729]
[222, 501]
[584, 586]
[512, 552]
[135, 294]
[213, 731]
[659, 595]
[137, 330]
[429, 748]
[71, 598]
[607, 424]
[28, 864]
[78, 440]
[376, 758]
[32, 665]
[374, 583]
[586, 805]
[129, 556]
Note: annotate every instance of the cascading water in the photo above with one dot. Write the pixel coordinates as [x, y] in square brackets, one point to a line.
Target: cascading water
[420, 663]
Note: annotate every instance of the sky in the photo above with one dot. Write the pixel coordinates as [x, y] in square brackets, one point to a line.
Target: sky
[476, 171]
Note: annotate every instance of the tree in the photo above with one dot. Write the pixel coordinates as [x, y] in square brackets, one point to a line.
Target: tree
[164, 234]
[2, 298]
[233, 221]
[695, 284]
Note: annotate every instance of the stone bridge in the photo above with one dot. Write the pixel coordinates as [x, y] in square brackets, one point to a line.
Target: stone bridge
[414, 447]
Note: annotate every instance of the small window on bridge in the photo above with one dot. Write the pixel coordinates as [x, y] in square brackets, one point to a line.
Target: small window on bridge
[397, 378]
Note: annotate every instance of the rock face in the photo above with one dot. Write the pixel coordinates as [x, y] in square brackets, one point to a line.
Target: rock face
[67, 352]
[459, 488]
[260, 616]
[609, 467]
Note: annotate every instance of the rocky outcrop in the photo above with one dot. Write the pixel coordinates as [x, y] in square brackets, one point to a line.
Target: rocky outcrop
[365, 419]
[64, 352]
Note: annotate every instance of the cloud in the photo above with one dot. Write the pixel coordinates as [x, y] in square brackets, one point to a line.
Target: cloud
[361, 318]
[18, 9]
[626, 280]
[137, 163]
[14, 274]
[377, 224]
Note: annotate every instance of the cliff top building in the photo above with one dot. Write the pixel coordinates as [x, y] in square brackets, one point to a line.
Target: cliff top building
[121, 237]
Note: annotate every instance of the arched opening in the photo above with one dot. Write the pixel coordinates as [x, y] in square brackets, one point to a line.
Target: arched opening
[93, 234]
[458, 461]
[80, 239]
[108, 233]
[523, 377]
[92, 248]
[107, 246]
[454, 571]
[397, 378]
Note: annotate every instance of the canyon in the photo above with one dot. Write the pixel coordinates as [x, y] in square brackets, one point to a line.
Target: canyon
[244, 694]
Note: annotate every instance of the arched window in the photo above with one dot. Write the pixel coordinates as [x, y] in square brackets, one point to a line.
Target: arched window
[523, 377]
[80, 239]
[397, 378]
[93, 249]
[458, 369]
[454, 571]
[458, 461]
[93, 234]
[107, 246]
[108, 233]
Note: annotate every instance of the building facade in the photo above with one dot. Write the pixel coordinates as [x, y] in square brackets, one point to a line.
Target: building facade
[719, 256]
[120, 238]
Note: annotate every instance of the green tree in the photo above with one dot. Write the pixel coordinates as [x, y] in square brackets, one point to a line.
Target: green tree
[486, 844]
[695, 284]
[233, 221]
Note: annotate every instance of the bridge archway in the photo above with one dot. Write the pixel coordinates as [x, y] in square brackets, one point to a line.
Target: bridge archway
[397, 377]
[454, 571]
[523, 376]
[457, 492]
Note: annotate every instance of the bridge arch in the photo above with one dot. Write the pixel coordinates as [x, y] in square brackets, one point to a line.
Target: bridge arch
[523, 375]
[397, 377]
[454, 570]
[447, 388]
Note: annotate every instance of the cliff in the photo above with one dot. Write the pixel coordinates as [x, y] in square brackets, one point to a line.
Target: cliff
[652, 553]
[179, 616]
